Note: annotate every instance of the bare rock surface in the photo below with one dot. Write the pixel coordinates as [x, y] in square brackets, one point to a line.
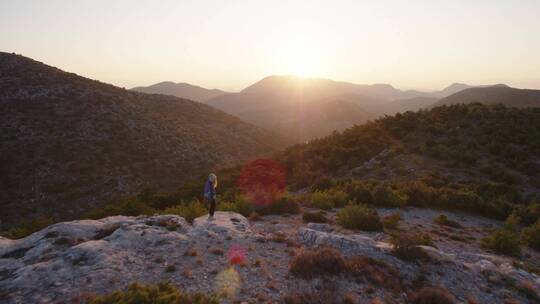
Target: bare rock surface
[68, 261]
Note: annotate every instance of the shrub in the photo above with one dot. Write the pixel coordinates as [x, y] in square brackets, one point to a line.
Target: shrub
[328, 199]
[373, 271]
[27, 228]
[327, 294]
[322, 261]
[406, 246]
[314, 217]
[391, 221]
[359, 217]
[163, 293]
[283, 205]
[432, 295]
[442, 219]
[384, 195]
[323, 183]
[532, 235]
[527, 288]
[188, 211]
[503, 241]
[129, 206]
[529, 213]
[239, 205]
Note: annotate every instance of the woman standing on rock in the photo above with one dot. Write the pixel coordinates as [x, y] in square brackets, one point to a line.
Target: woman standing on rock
[210, 194]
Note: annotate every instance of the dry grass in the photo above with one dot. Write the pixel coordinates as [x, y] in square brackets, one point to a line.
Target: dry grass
[188, 273]
[192, 252]
[312, 263]
[217, 251]
[375, 272]
[254, 217]
[432, 295]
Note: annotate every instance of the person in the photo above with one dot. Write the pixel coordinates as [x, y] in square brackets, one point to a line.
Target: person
[210, 194]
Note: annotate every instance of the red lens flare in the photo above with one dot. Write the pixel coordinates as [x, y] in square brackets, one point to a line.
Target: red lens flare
[262, 181]
[236, 255]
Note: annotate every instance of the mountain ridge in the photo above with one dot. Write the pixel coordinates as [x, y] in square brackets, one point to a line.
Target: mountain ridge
[180, 89]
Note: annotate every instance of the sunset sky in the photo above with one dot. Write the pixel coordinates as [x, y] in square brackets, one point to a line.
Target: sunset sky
[230, 44]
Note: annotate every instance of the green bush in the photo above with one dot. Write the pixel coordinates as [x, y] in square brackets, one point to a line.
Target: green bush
[443, 220]
[532, 235]
[27, 228]
[503, 241]
[384, 195]
[129, 206]
[239, 205]
[283, 205]
[359, 217]
[328, 199]
[314, 217]
[406, 246]
[162, 293]
[391, 221]
[529, 213]
[188, 211]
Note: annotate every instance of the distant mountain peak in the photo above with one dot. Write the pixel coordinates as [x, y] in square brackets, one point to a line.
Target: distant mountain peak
[181, 89]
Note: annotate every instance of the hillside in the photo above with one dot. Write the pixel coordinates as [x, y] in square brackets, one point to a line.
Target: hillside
[512, 97]
[488, 155]
[182, 90]
[70, 143]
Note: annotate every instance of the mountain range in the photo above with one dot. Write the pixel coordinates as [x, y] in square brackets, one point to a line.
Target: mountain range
[308, 108]
[183, 90]
[70, 143]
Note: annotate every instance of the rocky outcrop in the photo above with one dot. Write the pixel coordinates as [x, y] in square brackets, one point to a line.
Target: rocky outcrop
[67, 261]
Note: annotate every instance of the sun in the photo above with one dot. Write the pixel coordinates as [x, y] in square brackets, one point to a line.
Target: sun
[298, 49]
[300, 61]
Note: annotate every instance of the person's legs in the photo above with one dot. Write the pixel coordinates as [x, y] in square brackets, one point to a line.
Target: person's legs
[212, 207]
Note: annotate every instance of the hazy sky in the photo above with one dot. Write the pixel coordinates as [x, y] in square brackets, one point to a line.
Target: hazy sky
[230, 44]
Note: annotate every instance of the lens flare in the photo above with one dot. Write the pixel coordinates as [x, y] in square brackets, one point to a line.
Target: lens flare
[262, 181]
[236, 255]
[228, 282]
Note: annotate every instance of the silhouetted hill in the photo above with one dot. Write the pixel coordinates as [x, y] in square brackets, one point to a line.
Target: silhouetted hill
[273, 102]
[182, 90]
[408, 104]
[453, 88]
[70, 143]
[298, 118]
[503, 94]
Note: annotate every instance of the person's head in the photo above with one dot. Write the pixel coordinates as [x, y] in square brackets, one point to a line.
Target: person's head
[213, 179]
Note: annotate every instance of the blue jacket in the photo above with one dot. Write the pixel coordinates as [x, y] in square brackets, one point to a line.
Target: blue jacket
[209, 190]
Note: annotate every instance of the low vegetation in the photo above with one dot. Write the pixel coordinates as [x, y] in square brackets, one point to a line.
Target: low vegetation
[359, 217]
[391, 221]
[314, 217]
[432, 295]
[188, 211]
[443, 220]
[328, 199]
[503, 241]
[532, 236]
[406, 246]
[162, 293]
[312, 263]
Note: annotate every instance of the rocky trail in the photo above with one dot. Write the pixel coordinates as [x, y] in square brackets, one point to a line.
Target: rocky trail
[67, 262]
